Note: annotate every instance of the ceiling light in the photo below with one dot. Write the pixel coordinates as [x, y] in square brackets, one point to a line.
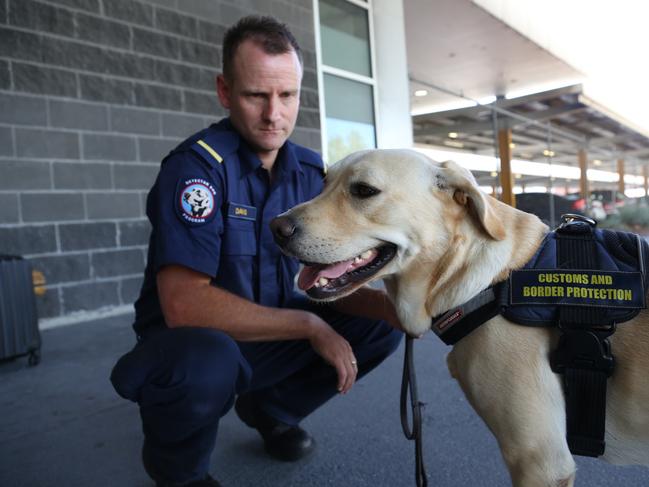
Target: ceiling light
[518, 176]
[512, 145]
[494, 174]
[421, 92]
[548, 153]
[597, 162]
[452, 135]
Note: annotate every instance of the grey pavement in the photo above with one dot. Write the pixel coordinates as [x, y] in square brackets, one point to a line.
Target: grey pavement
[61, 424]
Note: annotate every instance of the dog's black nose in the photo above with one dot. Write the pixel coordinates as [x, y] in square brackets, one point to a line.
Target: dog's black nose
[283, 229]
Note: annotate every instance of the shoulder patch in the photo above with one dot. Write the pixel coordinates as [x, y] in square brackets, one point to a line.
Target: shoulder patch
[195, 200]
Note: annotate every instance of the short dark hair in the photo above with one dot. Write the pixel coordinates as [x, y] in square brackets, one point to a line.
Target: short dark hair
[272, 35]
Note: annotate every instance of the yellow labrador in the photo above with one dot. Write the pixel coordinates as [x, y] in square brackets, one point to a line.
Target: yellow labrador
[436, 240]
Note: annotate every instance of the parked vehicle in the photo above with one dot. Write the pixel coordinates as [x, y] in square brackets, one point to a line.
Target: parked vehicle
[540, 204]
[609, 200]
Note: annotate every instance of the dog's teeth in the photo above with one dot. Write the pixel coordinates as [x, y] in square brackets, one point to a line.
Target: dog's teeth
[316, 284]
[366, 254]
[357, 259]
[323, 281]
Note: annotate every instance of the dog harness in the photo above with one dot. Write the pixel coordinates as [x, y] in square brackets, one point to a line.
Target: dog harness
[584, 281]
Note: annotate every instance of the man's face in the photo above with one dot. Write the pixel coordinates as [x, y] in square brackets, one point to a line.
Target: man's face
[263, 96]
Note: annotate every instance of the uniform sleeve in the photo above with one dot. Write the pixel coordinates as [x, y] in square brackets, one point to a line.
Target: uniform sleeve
[185, 210]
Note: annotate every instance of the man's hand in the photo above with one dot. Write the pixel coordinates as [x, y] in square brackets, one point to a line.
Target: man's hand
[336, 351]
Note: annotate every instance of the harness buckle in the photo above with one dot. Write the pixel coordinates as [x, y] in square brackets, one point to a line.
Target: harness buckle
[584, 348]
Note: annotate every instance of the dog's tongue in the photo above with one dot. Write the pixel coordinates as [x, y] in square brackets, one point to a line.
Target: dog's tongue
[311, 273]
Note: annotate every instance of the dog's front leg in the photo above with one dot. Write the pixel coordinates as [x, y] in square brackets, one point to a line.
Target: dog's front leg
[504, 371]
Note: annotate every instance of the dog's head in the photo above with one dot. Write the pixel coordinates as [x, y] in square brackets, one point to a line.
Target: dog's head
[381, 212]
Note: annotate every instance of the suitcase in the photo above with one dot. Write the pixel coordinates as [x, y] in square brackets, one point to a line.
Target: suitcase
[19, 334]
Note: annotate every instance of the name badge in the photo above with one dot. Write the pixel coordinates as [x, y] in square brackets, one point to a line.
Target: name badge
[243, 212]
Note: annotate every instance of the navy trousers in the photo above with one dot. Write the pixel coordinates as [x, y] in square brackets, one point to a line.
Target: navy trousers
[186, 379]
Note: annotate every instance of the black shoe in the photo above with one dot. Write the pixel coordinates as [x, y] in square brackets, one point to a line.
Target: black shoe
[160, 481]
[282, 441]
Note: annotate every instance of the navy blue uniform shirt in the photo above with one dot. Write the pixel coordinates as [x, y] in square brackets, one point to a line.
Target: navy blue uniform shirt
[210, 210]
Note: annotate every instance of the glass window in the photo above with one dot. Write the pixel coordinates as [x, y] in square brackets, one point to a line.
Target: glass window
[344, 36]
[349, 108]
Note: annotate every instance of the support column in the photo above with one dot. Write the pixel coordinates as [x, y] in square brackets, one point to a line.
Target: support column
[583, 178]
[645, 175]
[620, 172]
[506, 177]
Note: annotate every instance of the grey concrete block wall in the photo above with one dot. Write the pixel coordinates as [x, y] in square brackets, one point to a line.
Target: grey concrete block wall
[93, 93]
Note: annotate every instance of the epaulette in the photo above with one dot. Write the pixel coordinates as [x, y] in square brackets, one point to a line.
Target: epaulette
[311, 158]
[215, 146]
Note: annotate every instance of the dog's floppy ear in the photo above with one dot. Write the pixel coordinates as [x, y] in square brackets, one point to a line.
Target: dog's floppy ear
[467, 193]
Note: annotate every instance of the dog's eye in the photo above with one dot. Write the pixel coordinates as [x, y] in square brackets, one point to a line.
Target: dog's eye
[362, 190]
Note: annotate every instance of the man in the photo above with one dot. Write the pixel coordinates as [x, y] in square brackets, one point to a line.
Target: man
[218, 316]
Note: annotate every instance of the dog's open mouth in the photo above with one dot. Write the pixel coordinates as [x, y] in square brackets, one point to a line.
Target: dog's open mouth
[325, 281]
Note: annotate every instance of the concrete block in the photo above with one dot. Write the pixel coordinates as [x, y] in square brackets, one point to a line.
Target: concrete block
[231, 14]
[186, 76]
[134, 121]
[20, 45]
[6, 142]
[49, 304]
[113, 205]
[308, 118]
[76, 115]
[44, 81]
[134, 176]
[199, 53]
[156, 43]
[83, 175]
[50, 144]
[175, 23]
[28, 239]
[164, 3]
[108, 147]
[154, 150]
[310, 79]
[5, 76]
[41, 17]
[310, 138]
[129, 289]
[89, 296]
[63, 268]
[309, 99]
[117, 262]
[158, 97]
[106, 89]
[45, 207]
[89, 5]
[211, 32]
[22, 110]
[21, 175]
[130, 11]
[205, 9]
[84, 236]
[135, 232]
[3, 12]
[201, 102]
[181, 125]
[8, 208]
[102, 31]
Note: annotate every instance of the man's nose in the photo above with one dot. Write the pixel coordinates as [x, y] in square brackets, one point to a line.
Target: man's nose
[273, 110]
[283, 229]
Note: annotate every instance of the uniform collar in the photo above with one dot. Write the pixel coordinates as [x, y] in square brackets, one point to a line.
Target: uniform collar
[286, 159]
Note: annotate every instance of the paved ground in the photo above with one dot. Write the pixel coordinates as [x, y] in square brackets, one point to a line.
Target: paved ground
[61, 424]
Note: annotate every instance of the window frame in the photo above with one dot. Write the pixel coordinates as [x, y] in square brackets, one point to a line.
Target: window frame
[323, 69]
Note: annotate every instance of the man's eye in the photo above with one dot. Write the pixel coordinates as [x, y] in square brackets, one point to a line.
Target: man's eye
[362, 190]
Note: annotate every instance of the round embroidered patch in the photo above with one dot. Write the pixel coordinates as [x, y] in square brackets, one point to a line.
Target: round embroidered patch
[196, 200]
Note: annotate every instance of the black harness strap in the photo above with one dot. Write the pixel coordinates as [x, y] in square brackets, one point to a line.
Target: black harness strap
[409, 383]
[583, 355]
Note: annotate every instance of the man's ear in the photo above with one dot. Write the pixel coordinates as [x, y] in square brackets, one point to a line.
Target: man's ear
[466, 193]
[223, 91]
